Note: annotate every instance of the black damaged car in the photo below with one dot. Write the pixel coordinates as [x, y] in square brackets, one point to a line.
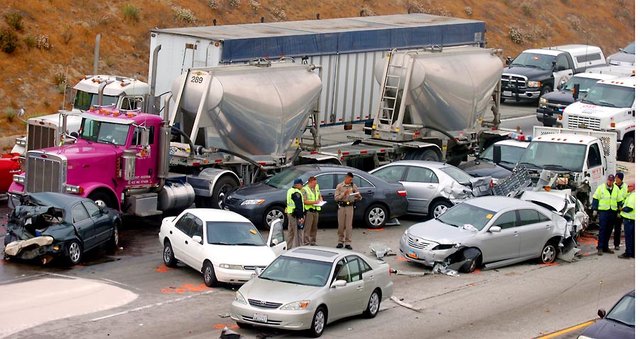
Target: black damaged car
[48, 225]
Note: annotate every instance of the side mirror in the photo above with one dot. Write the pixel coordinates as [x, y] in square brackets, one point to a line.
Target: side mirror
[257, 271]
[101, 205]
[74, 134]
[509, 60]
[601, 313]
[197, 239]
[339, 283]
[274, 242]
[495, 229]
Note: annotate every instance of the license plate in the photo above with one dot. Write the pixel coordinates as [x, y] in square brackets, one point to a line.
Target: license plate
[260, 317]
[507, 93]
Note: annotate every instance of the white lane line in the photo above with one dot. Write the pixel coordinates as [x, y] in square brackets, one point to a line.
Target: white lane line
[518, 118]
[137, 309]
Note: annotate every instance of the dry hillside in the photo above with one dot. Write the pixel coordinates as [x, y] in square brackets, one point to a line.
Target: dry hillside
[47, 44]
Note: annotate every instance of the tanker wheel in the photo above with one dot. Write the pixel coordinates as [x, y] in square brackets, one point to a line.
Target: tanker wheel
[220, 191]
[424, 154]
[104, 196]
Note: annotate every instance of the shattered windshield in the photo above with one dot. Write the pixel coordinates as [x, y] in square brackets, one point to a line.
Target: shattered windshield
[105, 132]
[85, 100]
[466, 214]
[554, 156]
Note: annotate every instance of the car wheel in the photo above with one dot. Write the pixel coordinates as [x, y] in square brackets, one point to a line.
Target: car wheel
[318, 323]
[220, 191]
[74, 252]
[472, 258]
[376, 216]
[243, 325]
[209, 274]
[105, 197]
[373, 306]
[549, 253]
[628, 149]
[115, 237]
[438, 207]
[274, 213]
[167, 255]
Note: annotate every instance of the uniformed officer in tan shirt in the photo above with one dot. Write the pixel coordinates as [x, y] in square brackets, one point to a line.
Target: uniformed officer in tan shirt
[346, 195]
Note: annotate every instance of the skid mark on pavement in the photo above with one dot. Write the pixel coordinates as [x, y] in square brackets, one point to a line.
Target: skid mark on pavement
[184, 288]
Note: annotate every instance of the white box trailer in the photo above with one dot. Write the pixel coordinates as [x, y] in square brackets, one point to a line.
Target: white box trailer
[346, 49]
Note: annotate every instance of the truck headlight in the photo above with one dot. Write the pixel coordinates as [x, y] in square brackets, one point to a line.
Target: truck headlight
[19, 179]
[73, 189]
[252, 202]
[535, 84]
[542, 102]
[296, 305]
[231, 267]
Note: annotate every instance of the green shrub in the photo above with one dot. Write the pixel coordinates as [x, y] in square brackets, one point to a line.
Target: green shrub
[184, 15]
[30, 41]
[14, 20]
[10, 114]
[131, 13]
[8, 40]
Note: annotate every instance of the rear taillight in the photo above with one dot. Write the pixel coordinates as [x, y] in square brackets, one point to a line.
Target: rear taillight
[402, 193]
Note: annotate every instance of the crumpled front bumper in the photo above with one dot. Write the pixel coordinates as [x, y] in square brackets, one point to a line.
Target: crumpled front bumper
[31, 248]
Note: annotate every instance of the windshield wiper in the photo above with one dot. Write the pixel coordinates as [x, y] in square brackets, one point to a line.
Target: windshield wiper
[247, 244]
[607, 104]
[219, 243]
[530, 164]
[619, 321]
[555, 167]
[587, 101]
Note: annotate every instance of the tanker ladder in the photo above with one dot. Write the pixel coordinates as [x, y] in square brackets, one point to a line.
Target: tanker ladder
[386, 113]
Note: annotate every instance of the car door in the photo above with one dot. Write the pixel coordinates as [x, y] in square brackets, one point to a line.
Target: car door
[327, 184]
[276, 240]
[562, 70]
[595, 166]
[84, 226]
[194, 250]
[369, 280]
[422, 186]
[102, 223]
[367, 191]
[393, 173]
[342, 299]
[179, 236]
[496, 246]
[534, 230]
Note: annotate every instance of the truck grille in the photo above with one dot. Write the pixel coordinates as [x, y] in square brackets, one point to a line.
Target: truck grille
[417, 243]
[575, 121]
[45, 172]
[510, 82]
[40, 137]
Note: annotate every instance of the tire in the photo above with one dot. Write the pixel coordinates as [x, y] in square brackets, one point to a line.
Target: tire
[220, 191]
[74, 252]
[113, 243]
[373, 305]
[438, 207]
[167, 255]
[272, 213]
[243, 325]
[628, 149]
[549, 253]
[376, 216]
[425, 155]
[104, 196]
[318, 323]
[209, 274]
[472, 256]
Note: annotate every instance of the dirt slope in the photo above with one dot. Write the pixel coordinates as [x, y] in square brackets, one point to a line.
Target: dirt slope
[52, 40]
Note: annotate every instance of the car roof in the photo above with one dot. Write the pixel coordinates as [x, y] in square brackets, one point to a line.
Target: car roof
[511, 142]
[499, 203]
[318, 253]
[422, 163]
[61, 200]
[212, 214]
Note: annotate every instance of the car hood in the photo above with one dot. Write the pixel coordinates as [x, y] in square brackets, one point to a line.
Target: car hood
[604, 328]
[586, 109]
[253, 190]
[434, 230]
[530, 72]
[484, 168]
[275, 291]
[563, 97]
[621, 58]
[27, 221]
[240, 255]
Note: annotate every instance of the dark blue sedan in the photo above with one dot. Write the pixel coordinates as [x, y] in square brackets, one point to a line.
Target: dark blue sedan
[265, 201]
[619, 323]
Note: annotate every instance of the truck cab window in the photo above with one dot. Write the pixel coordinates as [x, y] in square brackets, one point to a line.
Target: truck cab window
[104, 132]
[562, 63]
[136, 136]
[593, 158]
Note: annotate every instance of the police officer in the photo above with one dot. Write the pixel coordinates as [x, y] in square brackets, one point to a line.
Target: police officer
[617, 224]
[311, 196]
[295, 214]
[605, 200]
[628, 215]
[346, 195]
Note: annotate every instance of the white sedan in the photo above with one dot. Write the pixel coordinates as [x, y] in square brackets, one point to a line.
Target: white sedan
[223, 245]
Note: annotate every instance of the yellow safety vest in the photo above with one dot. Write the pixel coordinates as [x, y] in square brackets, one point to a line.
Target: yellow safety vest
[630, 202]
[607, 201]
[312, 195]
[290, 204]
[624, 191]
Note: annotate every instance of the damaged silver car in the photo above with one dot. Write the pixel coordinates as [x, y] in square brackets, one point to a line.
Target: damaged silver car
[489, 231]
[48, 225]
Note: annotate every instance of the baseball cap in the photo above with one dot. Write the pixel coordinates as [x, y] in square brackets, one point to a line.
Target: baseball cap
[620, 175]
[610, 177]
[298, 181]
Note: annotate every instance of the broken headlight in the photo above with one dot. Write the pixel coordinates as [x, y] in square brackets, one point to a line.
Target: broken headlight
[445, 247]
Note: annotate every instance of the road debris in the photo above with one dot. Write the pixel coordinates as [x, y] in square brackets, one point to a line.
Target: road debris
[381, 250]
[404, 304]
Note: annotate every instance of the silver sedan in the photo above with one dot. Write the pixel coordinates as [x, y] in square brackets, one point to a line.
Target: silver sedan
[494, 231]
[308, 287]
[433, 187]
